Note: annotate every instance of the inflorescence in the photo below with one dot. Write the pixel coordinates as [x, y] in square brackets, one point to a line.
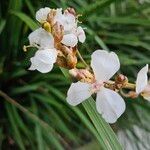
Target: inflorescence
[56, 42]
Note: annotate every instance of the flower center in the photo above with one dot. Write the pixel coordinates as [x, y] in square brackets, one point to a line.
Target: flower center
[96, 86]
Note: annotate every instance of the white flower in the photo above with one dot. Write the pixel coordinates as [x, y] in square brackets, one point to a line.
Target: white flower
[41, 14]
[81, 34]
[72, 33]
[72, 38]
[142, 86]
[108, 102]
[67, 20]
[43, 60]
[41, 38]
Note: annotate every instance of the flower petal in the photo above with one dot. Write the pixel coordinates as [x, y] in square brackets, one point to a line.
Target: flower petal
[109, 104]
[41, 14]
[78, 92]
[70, 40]
[42, 38]
[142, 79]
[104, 64]
[43, 60]
[81, 34]
[147, 97]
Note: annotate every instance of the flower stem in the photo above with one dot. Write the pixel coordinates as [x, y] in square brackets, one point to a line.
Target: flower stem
[81, 58]
[130, 86]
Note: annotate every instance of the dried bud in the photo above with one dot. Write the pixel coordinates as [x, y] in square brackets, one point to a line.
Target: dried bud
[69, 57]
[132, 94]
[71, 11]
[58, 32]
[50, 17]
[83, 75]
[120, 81]
[71, 61]
[61, 61]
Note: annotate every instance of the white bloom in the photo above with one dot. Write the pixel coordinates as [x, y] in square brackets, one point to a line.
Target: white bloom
[142, 86]
[43, 60]
[72, 33]
[41, 14]
[72, 39]
[67, 20]
[108, 102]
[81, 34]
[41, 38]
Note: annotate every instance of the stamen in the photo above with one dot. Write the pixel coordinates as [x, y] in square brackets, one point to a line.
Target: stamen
[25, 48]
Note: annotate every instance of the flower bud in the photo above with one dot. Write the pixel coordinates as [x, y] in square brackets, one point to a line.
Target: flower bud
[50, 17]
[71, 11]
[120, 81]
[58, 32]
[83, 75]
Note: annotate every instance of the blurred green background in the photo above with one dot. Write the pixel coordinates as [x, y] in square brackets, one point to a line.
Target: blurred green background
[122, 26]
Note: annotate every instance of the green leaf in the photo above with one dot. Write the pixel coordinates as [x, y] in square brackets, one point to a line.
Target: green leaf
[26, 19]
[2, 25]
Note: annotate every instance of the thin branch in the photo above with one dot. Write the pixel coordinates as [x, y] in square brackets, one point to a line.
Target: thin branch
[81, 58]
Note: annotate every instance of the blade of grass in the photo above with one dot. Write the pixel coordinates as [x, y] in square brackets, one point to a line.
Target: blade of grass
[29, 22]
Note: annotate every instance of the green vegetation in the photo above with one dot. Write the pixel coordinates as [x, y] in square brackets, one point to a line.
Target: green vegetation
[40, 118]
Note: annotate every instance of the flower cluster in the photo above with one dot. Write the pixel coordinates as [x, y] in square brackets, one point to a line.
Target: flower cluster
[56, 42]
[56, 39]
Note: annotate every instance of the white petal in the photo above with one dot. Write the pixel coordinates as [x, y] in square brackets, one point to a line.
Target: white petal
[70, 40]
[43, 60]
[41, 14]
[81, 34]
[67, 20]
[110, 104]
[104, 64]
[146, 92]
[32, 67]
[147, 98]
[142, 79]
[78, 92]
[42, 38]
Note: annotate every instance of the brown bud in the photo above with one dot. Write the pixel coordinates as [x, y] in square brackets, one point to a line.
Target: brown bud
[83, 75]
[61, 61]
[133, 94]
[120, 81]
[71, 11]
[50, 17]
[71, 61]
[67, 57]
[58, 32]
[121, 78]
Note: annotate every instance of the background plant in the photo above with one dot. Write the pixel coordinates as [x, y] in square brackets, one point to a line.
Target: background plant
[118, 25]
